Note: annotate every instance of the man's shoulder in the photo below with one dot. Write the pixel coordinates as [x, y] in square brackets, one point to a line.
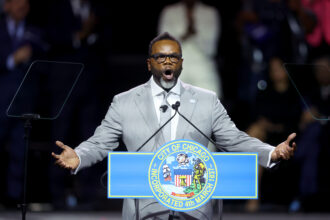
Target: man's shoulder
[198, 90]
[133, 91]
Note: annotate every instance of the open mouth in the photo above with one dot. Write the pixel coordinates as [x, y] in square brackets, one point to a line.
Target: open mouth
[168, 75]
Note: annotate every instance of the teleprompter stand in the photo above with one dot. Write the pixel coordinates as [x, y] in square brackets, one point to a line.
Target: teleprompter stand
[27, 131]
[45, 82]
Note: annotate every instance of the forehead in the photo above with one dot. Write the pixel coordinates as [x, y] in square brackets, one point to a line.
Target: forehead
[165, 47]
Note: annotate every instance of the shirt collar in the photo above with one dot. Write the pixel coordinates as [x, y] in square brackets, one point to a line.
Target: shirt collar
[156, 89]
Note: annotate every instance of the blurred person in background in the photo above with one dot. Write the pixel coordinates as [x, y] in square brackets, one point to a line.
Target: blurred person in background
[198, 27]
[270, 28]
[20, 43]
[319, 38]
[74, 35]
[313, 155]
[273, 122]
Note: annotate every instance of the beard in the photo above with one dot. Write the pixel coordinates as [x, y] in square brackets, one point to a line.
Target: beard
[167, 85]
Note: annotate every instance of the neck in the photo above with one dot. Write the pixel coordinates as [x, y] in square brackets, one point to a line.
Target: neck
[190, 4]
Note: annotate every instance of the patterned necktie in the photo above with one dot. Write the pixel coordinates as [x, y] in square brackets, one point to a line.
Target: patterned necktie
[165, 114]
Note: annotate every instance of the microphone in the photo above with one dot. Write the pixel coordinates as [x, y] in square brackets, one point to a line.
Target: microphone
[164, 108]
[176, 108]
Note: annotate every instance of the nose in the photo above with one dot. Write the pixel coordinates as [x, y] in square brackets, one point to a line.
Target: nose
[167, 60]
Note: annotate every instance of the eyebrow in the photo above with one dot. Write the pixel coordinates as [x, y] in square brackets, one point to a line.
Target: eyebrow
[158, 54]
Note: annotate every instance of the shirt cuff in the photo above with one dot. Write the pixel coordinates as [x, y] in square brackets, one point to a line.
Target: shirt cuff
[10, 63]
[269, 163]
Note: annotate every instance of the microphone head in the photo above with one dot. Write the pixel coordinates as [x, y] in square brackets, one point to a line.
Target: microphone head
[163, 108]
[176, 105]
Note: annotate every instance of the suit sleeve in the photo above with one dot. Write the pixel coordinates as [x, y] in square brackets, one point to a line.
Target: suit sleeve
[106, 138]
[229, 138]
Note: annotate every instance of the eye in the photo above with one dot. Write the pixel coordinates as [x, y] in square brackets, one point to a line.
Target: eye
[174, 57]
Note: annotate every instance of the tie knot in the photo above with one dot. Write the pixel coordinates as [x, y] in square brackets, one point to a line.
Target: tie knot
[165, 96]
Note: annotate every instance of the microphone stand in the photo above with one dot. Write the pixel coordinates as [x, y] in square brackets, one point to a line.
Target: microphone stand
[156, 132]
[136, 201]
[176, 108]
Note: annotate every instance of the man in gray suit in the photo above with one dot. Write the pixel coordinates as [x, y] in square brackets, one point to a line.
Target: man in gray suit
[135, 115]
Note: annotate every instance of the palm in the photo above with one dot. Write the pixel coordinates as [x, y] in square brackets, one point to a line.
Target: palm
[68, 158]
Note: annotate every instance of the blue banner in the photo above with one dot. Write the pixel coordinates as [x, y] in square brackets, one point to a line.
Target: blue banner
[237, 175]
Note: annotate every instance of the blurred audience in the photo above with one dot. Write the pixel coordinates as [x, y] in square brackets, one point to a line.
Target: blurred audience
[270, 28]
[314, 143]
[20, 43]
[277, 112]
[74, 37]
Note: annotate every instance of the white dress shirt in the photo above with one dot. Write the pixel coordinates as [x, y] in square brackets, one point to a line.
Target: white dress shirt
[172, 98]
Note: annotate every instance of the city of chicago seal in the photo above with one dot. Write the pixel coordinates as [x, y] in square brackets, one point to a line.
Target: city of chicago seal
[182, 175]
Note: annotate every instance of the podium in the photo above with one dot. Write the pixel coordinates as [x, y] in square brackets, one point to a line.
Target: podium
[183, 175]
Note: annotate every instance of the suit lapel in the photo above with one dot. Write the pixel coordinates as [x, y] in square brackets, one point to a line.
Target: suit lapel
[188, 103]
[145, 105]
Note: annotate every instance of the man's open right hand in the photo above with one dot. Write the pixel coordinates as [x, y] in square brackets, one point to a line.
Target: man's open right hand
[68, 159]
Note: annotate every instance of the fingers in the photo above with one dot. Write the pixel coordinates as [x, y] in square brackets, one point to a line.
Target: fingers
[61, 163]
[294, 146]
[290, 138]
[283, 150]
[61, 145]
[55, 156]
[286, 152]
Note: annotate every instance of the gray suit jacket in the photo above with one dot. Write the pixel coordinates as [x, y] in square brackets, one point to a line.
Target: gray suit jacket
[132, 117]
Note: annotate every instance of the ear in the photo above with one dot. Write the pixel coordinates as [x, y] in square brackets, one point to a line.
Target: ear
[148, 64]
